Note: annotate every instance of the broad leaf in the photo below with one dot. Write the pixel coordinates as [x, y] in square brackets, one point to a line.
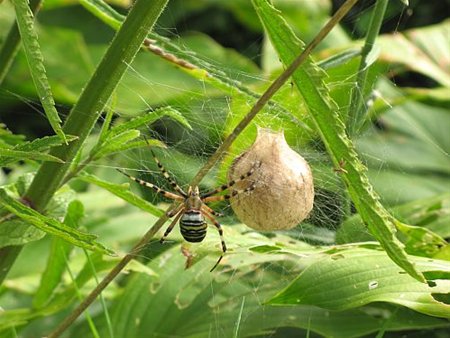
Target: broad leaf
[183, 293]
[351, 278]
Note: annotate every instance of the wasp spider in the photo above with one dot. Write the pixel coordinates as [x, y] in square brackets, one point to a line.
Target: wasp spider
[192, 209]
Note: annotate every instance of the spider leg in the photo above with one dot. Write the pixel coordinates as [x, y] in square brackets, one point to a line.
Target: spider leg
[228, 196]
[232, 182]
[175, 210]
[154, 187]
[219, 229]
[172, 182]
[211, 211]
[170, 227]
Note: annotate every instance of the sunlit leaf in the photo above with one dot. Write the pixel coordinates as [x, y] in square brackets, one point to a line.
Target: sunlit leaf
[352, 278]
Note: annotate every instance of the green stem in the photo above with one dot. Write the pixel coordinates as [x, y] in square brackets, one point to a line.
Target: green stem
[357, 112]
[91, 102]
[11, 44]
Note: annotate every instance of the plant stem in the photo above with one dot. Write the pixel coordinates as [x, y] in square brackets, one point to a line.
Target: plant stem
[11, 43]
[90, 104]
[357, 112]
[204, 170]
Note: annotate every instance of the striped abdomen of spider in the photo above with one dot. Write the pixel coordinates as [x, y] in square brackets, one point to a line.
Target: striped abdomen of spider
[192, 210]
[192, 222]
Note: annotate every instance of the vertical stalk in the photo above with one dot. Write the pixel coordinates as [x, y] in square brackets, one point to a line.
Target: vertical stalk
[357, 112]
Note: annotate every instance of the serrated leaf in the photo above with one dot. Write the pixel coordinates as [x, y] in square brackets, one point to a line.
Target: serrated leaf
[25, 22]
[33, 150]
[150, 117]
[115, 142]
[44, 143]
[309, 80]
[130, 145]
[355, 277]
[11, 155]
[123, 192]
[50, 225]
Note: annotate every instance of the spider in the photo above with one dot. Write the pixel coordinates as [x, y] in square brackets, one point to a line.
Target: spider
[192, 209]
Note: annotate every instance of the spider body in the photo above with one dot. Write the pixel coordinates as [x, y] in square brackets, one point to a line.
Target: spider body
[193, 226]
[192, 211]
[192, 222]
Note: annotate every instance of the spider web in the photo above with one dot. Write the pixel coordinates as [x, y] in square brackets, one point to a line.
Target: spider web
[208, 111]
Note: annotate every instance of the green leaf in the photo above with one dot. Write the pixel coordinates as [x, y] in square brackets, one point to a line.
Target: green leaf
[15, 231]
[428, 222]
[95, 96]
[309, 81]
[119, 147]
[412, 145]
[50, 225]
[351, 278]
[149, 118]
[421, 241]
[104, 12]
[25, 22]
[44, 143]
[429, 46]
[118, 138]
[32, 150]
[339, 59]
[186, 60]
[11, 42]
[114, 143]
[123, 192]
[10, 155]
[57, 258]
[7, 138]
[197, 290]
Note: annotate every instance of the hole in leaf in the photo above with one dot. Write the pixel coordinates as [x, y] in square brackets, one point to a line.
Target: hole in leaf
[442, 297]
[430, 275]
